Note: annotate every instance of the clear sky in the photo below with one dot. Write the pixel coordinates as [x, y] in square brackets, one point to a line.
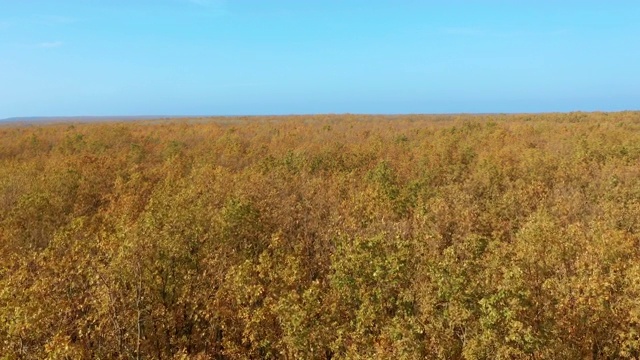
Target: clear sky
[208, 57]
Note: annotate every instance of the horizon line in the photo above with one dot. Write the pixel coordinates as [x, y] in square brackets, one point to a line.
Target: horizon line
[63, 118]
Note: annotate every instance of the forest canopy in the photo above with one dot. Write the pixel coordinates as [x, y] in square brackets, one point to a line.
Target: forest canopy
[322, 237]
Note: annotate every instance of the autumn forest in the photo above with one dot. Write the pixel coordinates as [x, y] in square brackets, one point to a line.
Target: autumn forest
[322, 237]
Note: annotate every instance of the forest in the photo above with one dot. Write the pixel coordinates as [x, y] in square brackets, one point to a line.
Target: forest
[322, 237]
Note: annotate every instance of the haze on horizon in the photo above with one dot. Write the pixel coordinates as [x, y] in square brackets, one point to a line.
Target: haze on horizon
[216, 57]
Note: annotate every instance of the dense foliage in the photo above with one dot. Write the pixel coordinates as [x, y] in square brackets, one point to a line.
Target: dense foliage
[343, 237]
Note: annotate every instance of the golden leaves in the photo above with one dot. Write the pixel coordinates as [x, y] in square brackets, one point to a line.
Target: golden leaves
[322, 237]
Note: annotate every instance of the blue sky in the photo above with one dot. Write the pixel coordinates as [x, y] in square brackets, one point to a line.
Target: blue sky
[209, 57]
